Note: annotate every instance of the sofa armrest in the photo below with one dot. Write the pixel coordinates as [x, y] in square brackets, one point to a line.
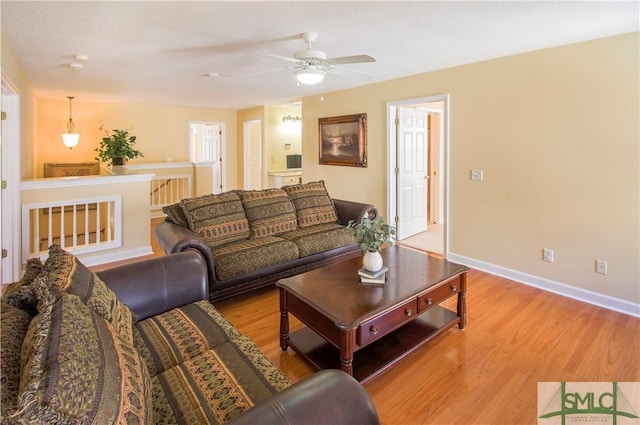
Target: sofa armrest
[327, 397]
[349, 210]
[175, 238]
[156, 285]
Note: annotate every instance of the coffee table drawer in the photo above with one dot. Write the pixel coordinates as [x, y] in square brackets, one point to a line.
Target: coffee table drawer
[382, 325]
[437, 295]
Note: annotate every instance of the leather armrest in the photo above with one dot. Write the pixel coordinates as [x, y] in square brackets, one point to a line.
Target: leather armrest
[175, 238]
[349, 210]
[153, 286]
[327, 397]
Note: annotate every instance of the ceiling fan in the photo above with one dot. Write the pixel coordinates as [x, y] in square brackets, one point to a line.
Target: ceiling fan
[312, 65]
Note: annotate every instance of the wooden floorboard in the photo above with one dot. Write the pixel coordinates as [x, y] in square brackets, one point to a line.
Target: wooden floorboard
[516, 336]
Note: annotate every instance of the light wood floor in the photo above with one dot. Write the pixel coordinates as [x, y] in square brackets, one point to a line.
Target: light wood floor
[516, 336]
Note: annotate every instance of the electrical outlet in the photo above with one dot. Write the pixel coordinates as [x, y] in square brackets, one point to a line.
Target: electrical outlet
[601, 267]
[547, 255]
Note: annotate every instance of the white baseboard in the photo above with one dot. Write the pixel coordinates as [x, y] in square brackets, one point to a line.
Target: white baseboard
[95, 259]
[563, 289]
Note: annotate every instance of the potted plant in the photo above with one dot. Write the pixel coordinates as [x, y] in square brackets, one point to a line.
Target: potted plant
[371, 235]
[115, 148]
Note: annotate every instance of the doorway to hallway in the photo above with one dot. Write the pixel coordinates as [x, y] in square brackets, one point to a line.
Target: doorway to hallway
[417, 147]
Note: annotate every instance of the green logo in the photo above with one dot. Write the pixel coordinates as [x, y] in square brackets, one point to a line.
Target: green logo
[584, 402]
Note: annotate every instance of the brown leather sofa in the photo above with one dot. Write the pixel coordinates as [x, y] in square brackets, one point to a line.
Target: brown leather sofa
[176, 238]
[177, 334]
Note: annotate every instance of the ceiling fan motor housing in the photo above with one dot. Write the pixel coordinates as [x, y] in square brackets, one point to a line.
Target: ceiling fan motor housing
[312, 57]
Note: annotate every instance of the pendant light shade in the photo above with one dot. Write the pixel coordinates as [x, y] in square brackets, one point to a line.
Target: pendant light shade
[70, 139]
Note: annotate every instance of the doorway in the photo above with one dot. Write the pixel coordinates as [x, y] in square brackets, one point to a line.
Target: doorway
[252, 154]
[10, 231]
[417, 148]
[206, 147]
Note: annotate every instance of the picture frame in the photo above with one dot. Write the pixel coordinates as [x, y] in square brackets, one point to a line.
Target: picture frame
[342, 140]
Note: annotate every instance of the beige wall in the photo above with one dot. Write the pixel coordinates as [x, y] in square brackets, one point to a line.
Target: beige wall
[556, 132]
[279, 133]
[161, 131]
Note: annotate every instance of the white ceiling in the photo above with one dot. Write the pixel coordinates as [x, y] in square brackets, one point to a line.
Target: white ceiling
[159, 52]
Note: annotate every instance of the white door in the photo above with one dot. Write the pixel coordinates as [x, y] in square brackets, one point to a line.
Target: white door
[212, 136]
[252, 155]
[10, 170]
[412, 177]
[206, 147]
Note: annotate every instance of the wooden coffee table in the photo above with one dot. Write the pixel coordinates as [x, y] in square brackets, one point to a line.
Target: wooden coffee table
[363, 329]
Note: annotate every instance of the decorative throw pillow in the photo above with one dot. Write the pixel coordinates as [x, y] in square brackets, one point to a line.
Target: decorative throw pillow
[217, 219]
[270, 212]
[66, 272]
[175, 214]
[313, 204]
[20, 294]
[13, 329]
[78, 369]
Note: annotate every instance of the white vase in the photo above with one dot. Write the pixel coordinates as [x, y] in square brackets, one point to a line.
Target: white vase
[372, 261]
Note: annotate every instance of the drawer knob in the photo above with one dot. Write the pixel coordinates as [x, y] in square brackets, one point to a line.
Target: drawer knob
[454, 288]
[408, 312]
[373, 330]
[429, 301]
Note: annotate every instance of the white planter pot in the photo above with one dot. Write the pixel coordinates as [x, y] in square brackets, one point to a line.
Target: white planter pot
[372, 261]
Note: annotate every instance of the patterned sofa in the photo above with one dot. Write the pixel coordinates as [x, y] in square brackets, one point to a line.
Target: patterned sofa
[253, 238]
[140, 344]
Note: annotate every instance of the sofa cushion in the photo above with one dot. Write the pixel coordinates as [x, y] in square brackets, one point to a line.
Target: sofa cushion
[66, 272]
[175, 214]
[237, 374]
[270, 212]
[20, 294]
[78, 369]
[217, 219]
[313, 204]
[177, 335]
[14, 323]
[248, 256]
[320, 238]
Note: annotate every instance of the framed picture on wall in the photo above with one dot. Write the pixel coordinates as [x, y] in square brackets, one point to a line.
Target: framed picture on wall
[343, 140]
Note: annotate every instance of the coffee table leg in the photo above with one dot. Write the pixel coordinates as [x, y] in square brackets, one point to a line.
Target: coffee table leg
[346, 351]
[462, 302]
[284, 321]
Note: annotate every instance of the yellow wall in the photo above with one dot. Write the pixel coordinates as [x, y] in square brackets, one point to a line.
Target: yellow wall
[279, 133]
[556, 132]
[161, 131]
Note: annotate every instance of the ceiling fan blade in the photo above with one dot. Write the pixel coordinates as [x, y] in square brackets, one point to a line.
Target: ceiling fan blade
[347, 70]
[251, 74]
[286, 58]
[350, 59]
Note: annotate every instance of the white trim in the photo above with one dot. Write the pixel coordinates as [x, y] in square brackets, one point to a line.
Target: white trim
[10, 236]
[152, 165]
[391, 158]
[57, 182]
[590, 297]
[102, 258]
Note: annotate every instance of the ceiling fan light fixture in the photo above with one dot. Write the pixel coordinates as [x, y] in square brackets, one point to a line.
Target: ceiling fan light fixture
[310, 76]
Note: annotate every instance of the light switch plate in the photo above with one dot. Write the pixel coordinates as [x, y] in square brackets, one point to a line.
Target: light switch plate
[477, 175]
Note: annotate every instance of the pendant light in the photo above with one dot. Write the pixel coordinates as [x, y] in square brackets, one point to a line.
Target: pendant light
[70, 139]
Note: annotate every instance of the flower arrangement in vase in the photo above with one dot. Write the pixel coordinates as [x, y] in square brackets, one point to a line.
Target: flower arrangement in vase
[372, 235]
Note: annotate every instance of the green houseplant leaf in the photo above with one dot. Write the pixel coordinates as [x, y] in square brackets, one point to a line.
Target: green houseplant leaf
[118, 145]
[372, 234]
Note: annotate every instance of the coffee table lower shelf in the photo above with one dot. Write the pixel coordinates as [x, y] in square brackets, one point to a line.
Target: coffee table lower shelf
[374, 358]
